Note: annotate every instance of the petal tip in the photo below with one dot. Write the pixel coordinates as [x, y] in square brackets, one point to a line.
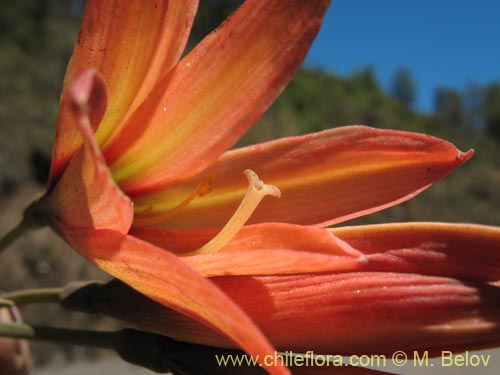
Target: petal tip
[464, 156]
[81, 88]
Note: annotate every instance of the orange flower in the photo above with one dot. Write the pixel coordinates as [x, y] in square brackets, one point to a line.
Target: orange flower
[426, 287]
[149, 171]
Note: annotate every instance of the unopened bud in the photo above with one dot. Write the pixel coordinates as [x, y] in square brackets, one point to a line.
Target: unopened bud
[15, 358]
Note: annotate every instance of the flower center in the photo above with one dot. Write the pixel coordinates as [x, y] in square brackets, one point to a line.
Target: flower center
[256, 191]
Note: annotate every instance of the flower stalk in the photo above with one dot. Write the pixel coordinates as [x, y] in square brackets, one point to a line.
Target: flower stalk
[31, 220]
[106, 340]
[11, 236]
[136, 347]
[6, 303]
[42, 295]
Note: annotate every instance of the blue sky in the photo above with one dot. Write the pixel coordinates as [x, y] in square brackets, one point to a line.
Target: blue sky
[445, 43]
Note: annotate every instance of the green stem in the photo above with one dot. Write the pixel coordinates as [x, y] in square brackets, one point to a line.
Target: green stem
[13, 235]
[106, 340]
[32, 219]
[42, 295]
[140, 348]
[6, 302]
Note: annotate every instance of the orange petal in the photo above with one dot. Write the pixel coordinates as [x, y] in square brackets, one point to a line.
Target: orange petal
[324, 178]
[86, 197]
[346, 313]
[164, 278]
[459, 250]
[367, 312]
[270, 262]
[214, 94]
[134, 44]
[263, 249]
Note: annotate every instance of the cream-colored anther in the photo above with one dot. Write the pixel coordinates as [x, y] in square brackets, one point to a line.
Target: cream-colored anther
[256, 191]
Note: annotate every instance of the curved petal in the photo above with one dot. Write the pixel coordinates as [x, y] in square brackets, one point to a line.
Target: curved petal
[266, 236]
[465, 251]
[324, 178]
[263, 249]
[134, 44]
[270, 262]
[214, 94]
[347, 313]
[164, 278]
[86, 197]
[367, 312]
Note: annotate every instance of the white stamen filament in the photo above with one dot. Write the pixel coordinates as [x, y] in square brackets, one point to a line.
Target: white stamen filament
[257, 190]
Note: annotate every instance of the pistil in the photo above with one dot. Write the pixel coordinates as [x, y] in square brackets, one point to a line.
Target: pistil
[256, 191]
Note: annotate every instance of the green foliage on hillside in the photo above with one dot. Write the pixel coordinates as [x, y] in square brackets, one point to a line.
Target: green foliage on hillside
[36, 39]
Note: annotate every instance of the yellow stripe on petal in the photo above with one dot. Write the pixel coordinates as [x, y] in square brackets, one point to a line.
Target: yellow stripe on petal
[214, 94]
[133, 44]
[325, 178]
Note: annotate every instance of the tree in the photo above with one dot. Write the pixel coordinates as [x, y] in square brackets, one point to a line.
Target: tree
[364, 79]
[491, 110]
[403, 87]
[449, 108]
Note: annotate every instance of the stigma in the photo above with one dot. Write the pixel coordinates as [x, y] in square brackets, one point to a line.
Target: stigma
[256, 191]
